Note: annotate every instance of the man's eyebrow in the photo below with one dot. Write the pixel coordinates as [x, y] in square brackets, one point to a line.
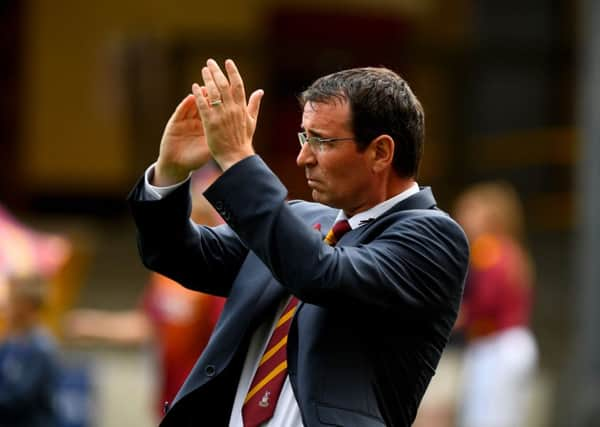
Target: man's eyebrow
[312, 132]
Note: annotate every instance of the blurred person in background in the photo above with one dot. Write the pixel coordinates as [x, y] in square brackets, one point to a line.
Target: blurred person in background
[34, 292]
[176, 320]
[24, 251]
[29, 359]
[501, 353]
[360, 314]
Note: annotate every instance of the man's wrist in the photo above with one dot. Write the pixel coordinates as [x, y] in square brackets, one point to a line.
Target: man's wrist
[225, 162]
[164, 176]
[153, 192]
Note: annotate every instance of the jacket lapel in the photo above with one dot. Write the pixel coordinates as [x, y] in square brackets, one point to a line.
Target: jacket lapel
[422, 200]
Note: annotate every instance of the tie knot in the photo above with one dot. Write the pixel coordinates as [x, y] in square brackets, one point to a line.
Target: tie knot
[337, 231]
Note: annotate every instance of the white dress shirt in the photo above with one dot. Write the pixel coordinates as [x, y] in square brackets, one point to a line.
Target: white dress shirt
[287, 413]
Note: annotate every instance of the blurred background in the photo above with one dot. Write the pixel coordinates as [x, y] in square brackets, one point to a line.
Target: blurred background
[510, 91]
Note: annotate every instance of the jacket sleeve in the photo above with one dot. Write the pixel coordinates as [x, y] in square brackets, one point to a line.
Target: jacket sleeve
[418, 263]
[200, 258]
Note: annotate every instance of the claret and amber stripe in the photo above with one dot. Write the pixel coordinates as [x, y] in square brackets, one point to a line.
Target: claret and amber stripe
[274, 350]
[286, 317]
[278, 369]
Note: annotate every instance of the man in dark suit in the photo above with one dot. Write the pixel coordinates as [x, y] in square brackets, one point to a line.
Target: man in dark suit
[345, 330]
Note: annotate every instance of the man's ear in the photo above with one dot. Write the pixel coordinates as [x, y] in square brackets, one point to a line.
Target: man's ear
[382, 153]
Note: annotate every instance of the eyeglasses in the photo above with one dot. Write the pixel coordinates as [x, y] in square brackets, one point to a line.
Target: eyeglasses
[316, 143]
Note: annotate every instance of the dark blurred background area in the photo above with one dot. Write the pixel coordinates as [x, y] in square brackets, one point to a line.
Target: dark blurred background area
[86, 88]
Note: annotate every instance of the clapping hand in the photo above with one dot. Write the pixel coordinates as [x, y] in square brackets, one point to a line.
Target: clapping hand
[183, 145]
[229, 123]
[213, 121]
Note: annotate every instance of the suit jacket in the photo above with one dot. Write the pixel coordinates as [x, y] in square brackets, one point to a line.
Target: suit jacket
[375, 313]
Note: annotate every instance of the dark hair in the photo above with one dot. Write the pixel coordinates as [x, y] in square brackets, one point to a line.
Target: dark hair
[381, 102]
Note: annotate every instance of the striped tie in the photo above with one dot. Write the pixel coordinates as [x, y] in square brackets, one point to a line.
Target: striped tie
[272, 369]
[337, 231]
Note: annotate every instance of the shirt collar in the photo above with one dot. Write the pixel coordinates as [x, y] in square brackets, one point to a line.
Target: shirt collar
[369, 215]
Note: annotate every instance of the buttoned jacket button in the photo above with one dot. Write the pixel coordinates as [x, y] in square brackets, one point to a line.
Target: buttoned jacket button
[210, 370]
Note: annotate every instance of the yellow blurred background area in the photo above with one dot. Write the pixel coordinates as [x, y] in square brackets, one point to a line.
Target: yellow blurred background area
[88, 86]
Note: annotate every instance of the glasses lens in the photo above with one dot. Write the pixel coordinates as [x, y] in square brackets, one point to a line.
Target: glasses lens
[302, 138]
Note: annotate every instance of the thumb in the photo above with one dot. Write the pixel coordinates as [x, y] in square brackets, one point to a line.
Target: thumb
[254, 103]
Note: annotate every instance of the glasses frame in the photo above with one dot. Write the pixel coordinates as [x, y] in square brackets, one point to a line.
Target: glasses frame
[317, 143]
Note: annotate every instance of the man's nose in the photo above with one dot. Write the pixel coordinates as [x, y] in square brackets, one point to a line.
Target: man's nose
[306, 156]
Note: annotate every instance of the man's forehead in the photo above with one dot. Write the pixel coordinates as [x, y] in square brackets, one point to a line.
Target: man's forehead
[325, 114]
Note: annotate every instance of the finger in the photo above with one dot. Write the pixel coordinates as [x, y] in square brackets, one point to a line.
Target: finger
[197, 90]
[254, 103]
[193, 112]
[219, 79]
[211, 87]
[191, 108]
[235, 79]
[201, 97]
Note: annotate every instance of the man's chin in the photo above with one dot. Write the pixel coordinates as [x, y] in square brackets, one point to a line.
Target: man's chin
[319, 197]
[316, 196]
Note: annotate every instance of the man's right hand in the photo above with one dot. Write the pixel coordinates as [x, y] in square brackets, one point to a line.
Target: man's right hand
[183, 147]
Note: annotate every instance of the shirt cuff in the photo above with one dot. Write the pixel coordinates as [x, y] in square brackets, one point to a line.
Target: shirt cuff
[152, 192]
